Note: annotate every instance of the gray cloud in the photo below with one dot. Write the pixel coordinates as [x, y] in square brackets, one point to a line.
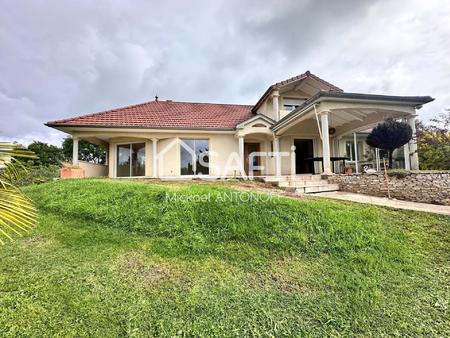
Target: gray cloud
[62, 59]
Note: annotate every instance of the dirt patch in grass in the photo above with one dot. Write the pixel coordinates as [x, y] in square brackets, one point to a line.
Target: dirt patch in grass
[288, 274]
[135, 265]
[34, 241]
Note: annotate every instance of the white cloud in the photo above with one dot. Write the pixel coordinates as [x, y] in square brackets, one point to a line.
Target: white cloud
[66, 58]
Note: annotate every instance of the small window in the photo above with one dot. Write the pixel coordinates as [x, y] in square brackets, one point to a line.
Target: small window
[258, 125]
[291, 104]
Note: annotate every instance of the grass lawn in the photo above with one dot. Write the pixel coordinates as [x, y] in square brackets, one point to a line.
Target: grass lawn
[115, 258]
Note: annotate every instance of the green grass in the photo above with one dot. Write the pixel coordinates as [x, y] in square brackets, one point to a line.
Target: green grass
[115, 258]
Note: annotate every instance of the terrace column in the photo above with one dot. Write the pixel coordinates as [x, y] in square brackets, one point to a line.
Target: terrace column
[276, 107]
[241, 152]
[355, 147]
[276, 150]
[325, 143]
[155, 157]
[75, 151]
[414, 157]
[406, 154]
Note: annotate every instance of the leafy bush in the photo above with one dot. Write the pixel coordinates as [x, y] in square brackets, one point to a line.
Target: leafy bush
[399, 173]
[47, 154]
[433, 141]
[38, 174]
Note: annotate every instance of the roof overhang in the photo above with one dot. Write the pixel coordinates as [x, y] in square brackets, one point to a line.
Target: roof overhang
[254, 119]
[70, 128]
[353, 98]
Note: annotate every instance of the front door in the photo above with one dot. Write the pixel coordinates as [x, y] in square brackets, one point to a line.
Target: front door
[303, 152]
[250, 148]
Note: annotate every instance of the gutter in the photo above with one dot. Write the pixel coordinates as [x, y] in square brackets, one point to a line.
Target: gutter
[58, 126]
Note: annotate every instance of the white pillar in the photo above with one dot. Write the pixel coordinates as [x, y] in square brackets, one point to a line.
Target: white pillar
[377, 158]
[267, 165]
[406, 153]
[241, 153]
[276, 107]
[406, 156]
[276, 150]
[75, 151]
[325, 143]
[355, 144]
[106, 156]
[414, 157]
[155, 158]
[293, 161]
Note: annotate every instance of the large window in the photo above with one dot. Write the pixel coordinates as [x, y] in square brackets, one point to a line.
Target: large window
[131, 160]
[194, 157]
[350, 150]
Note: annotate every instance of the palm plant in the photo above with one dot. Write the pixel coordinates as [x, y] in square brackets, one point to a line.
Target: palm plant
[17, 211]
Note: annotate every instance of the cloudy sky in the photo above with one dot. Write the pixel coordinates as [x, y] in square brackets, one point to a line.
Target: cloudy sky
[65, 58]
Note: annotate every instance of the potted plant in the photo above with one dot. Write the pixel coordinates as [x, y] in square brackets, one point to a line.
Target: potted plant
[71, 171]
[349, 170]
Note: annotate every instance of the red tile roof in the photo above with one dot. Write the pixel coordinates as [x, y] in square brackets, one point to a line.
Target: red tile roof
[304, 76]
[164, 114]
[283, 83]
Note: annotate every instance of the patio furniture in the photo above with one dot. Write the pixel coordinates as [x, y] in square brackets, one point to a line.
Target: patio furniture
[332, 159]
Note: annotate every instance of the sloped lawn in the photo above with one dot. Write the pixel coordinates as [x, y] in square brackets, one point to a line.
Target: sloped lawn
[117, 258]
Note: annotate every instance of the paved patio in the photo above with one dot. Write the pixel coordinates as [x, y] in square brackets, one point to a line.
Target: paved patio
[382, 201]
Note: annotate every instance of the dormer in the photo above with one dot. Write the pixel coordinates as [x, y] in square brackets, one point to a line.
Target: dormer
[283, 97]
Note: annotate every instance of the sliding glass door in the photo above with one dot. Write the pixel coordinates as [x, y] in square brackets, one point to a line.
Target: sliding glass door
[194, 157]
[130, 160]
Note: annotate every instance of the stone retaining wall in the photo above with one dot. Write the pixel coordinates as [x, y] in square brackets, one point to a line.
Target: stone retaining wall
[425, 187]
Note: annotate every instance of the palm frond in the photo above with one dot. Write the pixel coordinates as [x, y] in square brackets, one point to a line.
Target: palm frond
[17, 211]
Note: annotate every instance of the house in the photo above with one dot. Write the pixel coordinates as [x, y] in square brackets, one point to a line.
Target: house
[302, 125]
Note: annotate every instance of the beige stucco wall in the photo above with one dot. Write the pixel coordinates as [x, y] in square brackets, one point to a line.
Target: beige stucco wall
[267, 109]
[221, 145]
[93, 170]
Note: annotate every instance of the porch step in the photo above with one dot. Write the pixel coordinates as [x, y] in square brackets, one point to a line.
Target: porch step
[298, 183]
[276, 179]
[317, 188]
[303, 184]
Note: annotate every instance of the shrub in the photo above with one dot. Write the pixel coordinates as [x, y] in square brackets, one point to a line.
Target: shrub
[399, 173]
[39, 174]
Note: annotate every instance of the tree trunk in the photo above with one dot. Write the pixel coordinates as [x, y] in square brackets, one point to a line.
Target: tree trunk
[390, 152]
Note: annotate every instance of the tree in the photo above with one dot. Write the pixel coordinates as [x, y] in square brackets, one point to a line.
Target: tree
[17, 211]
[47, 154]
[389, 135]
[433, 142]
[87, 151]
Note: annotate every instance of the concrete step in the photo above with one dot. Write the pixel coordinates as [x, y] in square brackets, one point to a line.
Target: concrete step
[301, 183]
[316, 188]
[285, 178]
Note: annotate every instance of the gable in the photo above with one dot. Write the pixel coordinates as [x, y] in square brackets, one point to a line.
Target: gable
[304, 85]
